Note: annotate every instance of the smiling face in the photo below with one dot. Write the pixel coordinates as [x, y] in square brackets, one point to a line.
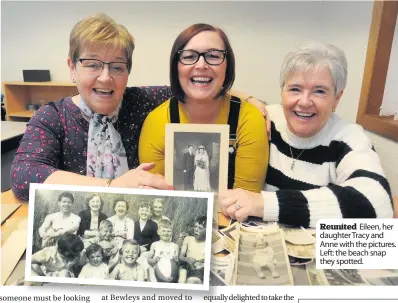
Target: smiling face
[121, 208]
[144, 212]
[95, 258]
[95, 203]
[102, 91]
[165, 233]
[65, 205]
[157, 208]
[308, 100]
[202, 82]
[130, 253]
[105, 232]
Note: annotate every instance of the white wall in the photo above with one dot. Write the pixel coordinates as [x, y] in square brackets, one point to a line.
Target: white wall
[35, 36]
[390, 96]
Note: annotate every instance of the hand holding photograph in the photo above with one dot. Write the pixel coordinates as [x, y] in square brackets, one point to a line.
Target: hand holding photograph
[119, 236]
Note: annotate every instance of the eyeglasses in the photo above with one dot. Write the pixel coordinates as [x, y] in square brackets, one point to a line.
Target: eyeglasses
[96, 66]
[212, 57]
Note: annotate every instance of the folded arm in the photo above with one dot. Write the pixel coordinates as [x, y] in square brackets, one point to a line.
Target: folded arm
[360, 189]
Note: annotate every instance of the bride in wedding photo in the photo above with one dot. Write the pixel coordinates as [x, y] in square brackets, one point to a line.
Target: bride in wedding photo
[202, 174]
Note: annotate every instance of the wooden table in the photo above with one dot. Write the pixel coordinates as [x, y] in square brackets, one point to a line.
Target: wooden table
[13, 240]
[299, 272]
[11, 135]
[11, 130]
[21, 213]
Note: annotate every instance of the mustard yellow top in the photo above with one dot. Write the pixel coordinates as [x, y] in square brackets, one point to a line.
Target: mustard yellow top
[252, 152]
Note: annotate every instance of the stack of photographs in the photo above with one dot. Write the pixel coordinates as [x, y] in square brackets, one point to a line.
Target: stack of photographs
[253, 254]
[350, 277]
[300, 244]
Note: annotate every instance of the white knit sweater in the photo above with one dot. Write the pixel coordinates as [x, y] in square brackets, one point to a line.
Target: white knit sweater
[338, 175]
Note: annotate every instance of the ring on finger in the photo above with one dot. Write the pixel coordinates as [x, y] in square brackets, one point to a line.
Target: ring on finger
[141, 186]
[237, 206]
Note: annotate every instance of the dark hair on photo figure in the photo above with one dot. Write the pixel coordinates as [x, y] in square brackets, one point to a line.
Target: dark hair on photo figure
[201, 220]
[66, 194]
[93, 248]
[119, 200]
[69, 245]
[144, 204]
[89, 198]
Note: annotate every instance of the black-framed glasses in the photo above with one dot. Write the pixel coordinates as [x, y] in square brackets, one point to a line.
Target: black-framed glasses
[96, 66]
[212, 56]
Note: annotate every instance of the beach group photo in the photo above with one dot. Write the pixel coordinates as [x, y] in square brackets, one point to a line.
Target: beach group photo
[118, 236]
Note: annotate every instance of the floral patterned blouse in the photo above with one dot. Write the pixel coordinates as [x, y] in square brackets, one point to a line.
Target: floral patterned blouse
[56, 137]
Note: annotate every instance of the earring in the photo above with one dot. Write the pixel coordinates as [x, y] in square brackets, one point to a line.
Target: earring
[73, 80]
[334, 109]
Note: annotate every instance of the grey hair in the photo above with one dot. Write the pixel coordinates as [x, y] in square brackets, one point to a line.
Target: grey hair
[313, 55]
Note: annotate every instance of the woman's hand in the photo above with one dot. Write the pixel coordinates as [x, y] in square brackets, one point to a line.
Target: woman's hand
[141, 178]
[239, 204]
[261, 106]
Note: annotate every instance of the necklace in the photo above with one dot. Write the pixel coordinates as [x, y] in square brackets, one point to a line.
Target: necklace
[291, 153]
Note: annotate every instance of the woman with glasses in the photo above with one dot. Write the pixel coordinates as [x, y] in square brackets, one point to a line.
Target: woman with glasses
[202, 71]
[322, 167]
[91, 138]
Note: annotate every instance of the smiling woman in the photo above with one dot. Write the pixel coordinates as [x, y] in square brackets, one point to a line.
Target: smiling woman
[91, 217]
[202, 71]
[123, 227]
[320, 165]
[91, 138]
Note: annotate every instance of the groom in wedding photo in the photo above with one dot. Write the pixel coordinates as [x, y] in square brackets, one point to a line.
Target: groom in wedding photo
[189, 168]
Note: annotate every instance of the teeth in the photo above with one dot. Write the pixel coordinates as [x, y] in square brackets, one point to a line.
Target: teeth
[304, 114]
[201, 79]
[103, 90]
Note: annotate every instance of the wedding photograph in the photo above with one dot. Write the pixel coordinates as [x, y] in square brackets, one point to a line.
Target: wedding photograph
[197, 157]
[122, 237]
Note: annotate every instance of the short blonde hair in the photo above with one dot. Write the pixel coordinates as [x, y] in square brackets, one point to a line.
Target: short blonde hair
[165, 223]
[100, 30]
[314, 54]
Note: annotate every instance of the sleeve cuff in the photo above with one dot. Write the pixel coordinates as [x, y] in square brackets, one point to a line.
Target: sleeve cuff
[271, 206]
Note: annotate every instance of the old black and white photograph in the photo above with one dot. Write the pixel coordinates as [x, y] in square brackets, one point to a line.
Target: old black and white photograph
[115, 236]
[262, 257]
[338, 277]
[197, 157]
